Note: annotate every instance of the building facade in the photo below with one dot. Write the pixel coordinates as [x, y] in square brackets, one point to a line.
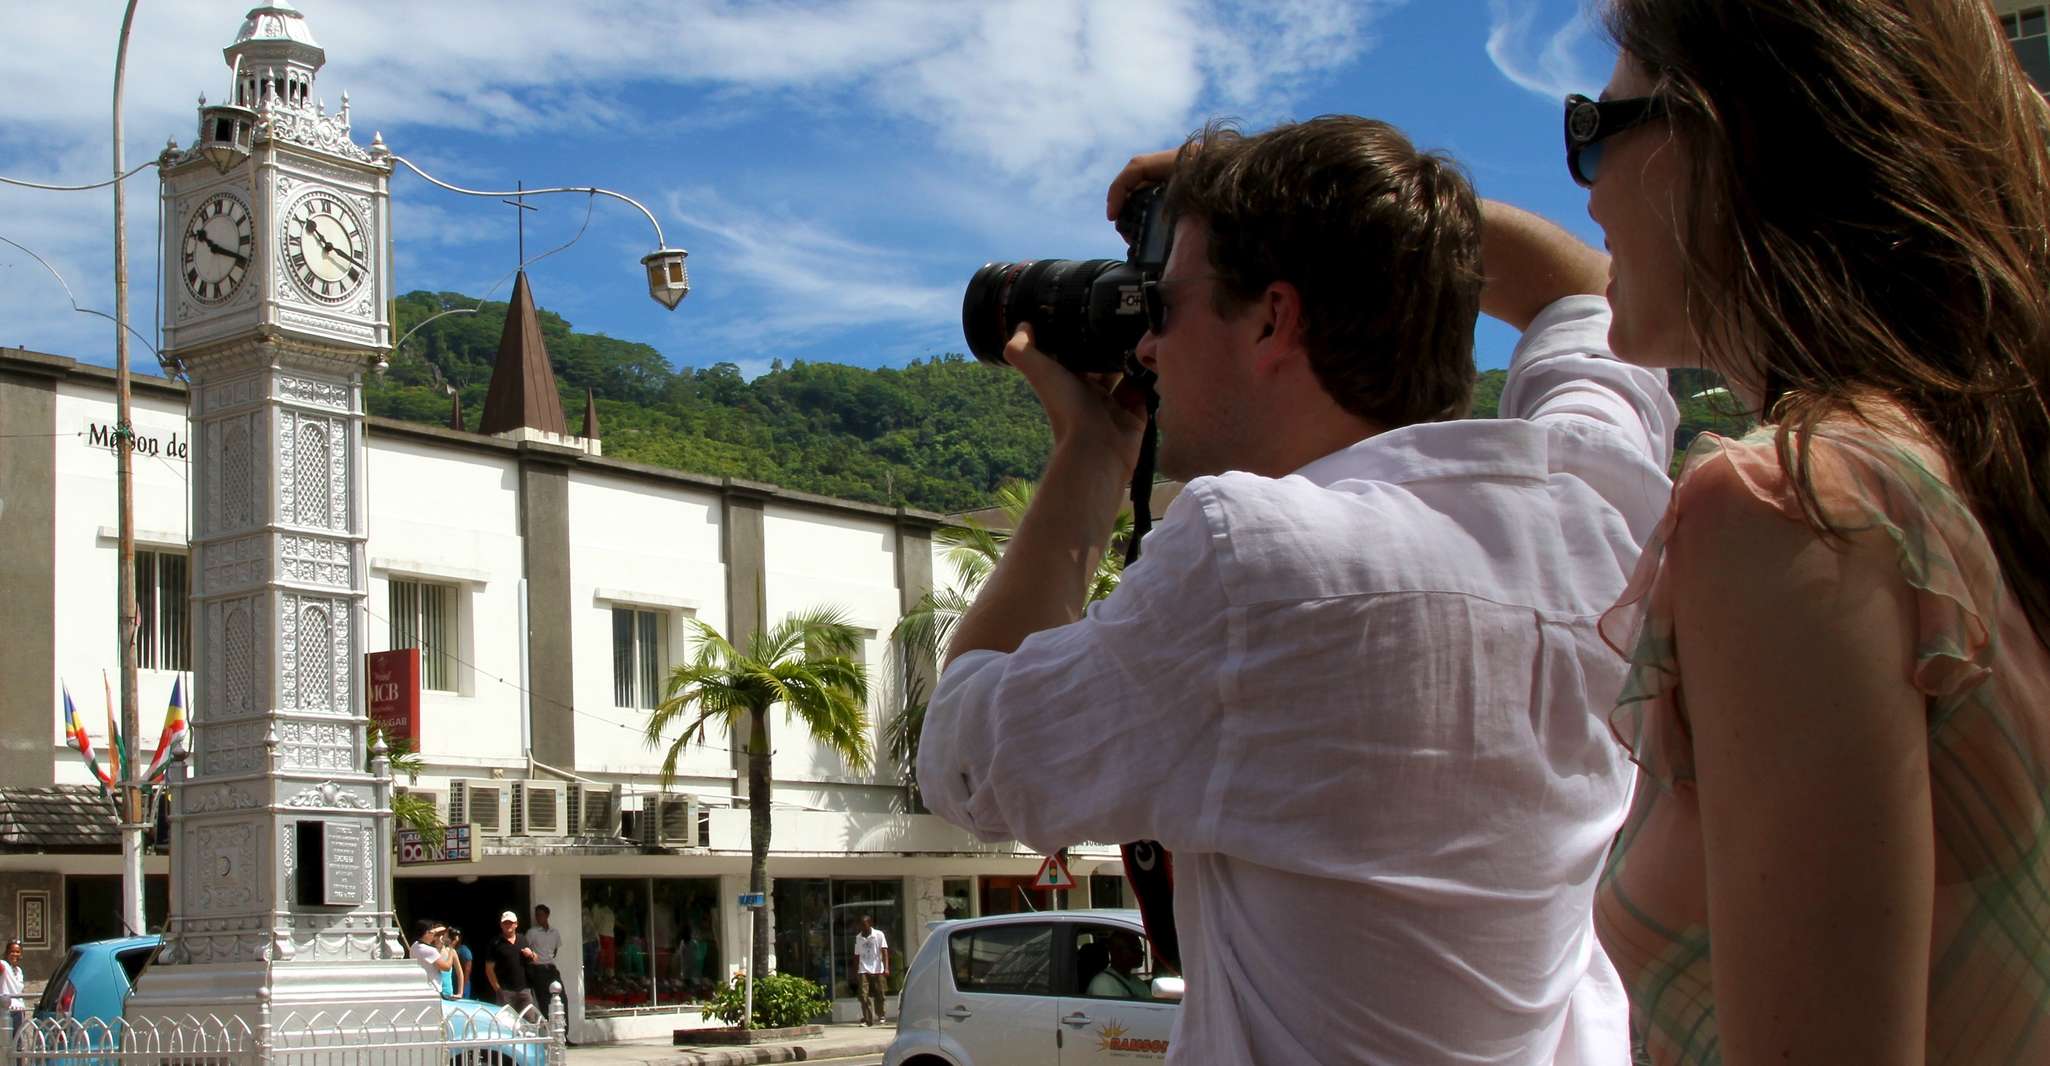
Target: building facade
[548, 589]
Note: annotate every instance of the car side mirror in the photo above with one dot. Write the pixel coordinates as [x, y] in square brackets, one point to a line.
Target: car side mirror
[1169, 989]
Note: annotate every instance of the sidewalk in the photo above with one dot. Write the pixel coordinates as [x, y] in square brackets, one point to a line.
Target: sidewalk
[841, 1040]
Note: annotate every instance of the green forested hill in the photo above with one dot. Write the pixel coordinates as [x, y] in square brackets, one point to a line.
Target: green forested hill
[938, 434]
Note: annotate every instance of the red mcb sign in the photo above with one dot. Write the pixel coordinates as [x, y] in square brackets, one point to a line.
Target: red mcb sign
[395, 693]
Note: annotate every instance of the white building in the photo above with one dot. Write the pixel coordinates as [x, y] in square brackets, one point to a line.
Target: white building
[548, 587]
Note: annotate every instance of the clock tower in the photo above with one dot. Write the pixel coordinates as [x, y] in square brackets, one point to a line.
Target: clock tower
[277, 257]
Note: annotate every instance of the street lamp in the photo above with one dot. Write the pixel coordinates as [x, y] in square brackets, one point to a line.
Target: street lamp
[668, 277]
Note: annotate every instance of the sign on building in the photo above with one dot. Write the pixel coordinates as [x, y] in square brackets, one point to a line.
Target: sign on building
[394, 693]
[456, 844]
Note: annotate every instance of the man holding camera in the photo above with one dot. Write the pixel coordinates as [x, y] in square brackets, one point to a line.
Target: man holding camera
[1354, 682]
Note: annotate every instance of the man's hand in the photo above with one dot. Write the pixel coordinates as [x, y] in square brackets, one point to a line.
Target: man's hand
[1096, 413]
[1150, 168]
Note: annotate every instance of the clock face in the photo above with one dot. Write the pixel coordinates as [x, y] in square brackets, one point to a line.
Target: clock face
[324, 247]
[216, 248]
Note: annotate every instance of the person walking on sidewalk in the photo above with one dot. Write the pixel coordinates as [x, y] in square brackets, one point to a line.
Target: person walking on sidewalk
[872, 970]
[546, 942]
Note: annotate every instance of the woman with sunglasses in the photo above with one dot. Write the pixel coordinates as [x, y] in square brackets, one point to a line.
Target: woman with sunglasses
[1840, 694]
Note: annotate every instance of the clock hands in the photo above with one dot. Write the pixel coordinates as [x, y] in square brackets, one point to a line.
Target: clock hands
[207, 239]
[330, 248]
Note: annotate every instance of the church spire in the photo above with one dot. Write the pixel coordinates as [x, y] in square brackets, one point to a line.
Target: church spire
[590, 414]
[522, 394]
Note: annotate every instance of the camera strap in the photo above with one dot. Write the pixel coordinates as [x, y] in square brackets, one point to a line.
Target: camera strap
[1148, 866]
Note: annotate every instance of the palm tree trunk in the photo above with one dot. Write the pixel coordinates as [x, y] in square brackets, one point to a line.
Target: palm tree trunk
[758, 790]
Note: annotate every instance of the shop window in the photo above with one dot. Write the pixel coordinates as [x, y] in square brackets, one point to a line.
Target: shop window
[423, 616]
[959, 893]
[650, 942]
[638, 659]
[816, 922]
[163, 637]
[1106, 890]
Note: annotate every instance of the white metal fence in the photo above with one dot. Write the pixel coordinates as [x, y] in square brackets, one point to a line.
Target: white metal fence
[457, 1033]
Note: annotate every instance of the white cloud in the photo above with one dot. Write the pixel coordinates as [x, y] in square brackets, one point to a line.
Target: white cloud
[1539, 51]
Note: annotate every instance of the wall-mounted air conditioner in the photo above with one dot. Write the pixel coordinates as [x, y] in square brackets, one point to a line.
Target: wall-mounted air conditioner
[481, 803]
[438, 797]
[668, 821]
[591, 810]
[537, 808]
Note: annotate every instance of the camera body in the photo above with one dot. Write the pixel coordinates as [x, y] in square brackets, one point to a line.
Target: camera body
[1088, 314]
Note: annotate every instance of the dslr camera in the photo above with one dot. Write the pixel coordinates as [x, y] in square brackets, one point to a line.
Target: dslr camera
[1088, 314]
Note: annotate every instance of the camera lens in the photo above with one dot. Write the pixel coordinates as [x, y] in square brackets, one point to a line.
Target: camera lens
[1086, 313]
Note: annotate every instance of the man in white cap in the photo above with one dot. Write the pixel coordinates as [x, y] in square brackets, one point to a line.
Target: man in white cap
[505, 965]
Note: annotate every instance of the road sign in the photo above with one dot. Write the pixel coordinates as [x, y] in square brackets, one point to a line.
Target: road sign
[754, 900]
[1053, 873]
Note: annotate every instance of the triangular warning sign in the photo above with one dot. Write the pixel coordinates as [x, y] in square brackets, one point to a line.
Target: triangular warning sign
[1053, 873]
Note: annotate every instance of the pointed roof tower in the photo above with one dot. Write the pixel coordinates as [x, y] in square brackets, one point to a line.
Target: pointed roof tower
[522, 394]
[274, 56]
[590, 414]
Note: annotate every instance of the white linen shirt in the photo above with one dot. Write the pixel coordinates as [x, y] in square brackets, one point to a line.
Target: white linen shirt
[546, 943]
[1366, 706]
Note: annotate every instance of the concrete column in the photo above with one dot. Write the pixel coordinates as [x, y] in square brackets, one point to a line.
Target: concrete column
[562, 892]
[544, 534]
[914, 582]
[28, 527]
[747, 583]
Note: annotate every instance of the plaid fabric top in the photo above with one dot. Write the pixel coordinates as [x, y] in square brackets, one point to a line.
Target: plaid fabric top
[1986, 683]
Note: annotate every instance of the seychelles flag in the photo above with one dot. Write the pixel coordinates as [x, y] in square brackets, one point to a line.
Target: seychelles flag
[174, 733]
[74, 731]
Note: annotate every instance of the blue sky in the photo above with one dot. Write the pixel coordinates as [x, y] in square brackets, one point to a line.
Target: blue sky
[836, 169]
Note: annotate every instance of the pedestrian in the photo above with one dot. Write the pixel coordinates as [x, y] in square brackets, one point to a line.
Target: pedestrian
[11, 982]
[506, 960]
[546, 942]
[1839, 849]
[431, 950]
[1353, 682]
[466, 964]
[871, 970]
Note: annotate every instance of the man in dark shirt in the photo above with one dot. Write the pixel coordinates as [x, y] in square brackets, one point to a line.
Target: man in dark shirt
[505, 964]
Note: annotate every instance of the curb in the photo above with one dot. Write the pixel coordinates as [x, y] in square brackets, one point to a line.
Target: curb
[747, 1056]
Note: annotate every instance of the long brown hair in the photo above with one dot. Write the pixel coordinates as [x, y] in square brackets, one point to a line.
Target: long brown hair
[1870, 217]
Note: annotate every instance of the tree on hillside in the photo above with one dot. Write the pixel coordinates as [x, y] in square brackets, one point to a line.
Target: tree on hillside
[810, 665]
[921, 637]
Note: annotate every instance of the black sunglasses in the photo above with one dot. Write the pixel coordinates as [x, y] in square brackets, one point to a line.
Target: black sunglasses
[1590, 122]
[1156, 305]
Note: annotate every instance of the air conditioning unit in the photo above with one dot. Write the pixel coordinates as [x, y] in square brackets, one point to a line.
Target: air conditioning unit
[668, 821]
[591, 810]
[435, 796]
[480, 802]
[537, 808]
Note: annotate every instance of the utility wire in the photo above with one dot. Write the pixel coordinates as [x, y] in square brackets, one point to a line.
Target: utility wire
[78, 188]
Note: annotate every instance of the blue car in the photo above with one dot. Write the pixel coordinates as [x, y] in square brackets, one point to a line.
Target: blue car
[86, 995]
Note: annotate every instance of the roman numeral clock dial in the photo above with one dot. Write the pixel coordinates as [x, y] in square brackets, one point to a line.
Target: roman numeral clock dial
[214, 256]
[324, 247]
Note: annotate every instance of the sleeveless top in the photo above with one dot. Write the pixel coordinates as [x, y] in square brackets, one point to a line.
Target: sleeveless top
[1985, 679]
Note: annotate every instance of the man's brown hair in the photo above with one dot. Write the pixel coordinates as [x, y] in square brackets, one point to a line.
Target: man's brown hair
[1381, 240]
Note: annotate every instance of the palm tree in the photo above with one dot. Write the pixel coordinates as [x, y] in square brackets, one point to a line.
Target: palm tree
[410, 809]
[922, 635]
[810, 664]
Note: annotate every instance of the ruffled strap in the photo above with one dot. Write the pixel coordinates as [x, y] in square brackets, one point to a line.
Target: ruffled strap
[1863, 481]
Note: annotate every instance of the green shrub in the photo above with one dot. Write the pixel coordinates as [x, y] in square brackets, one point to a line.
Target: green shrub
[782, 1000]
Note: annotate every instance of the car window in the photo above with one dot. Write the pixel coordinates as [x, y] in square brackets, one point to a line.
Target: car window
[54, 990]
[1097, 954]
[133, 960]
[1016, 959]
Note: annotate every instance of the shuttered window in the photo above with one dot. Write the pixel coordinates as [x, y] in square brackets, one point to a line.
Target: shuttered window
[423, 616]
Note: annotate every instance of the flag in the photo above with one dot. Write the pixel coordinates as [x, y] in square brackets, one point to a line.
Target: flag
[74, 731]
[117, 752]
[174, 732]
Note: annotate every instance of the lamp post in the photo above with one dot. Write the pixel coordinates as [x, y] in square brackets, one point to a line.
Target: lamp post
[133, 918]
[668, 277]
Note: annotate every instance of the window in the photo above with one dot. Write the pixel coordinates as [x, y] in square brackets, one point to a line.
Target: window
[1014, 959]
[163, 633]
[2032, 23]
[1106, 890]
[423, 616]
[650, 942]
[1111, 962]
[638, 659]
[817, 918]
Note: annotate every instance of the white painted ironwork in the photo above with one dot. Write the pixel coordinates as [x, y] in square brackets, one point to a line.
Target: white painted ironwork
[455, 1033]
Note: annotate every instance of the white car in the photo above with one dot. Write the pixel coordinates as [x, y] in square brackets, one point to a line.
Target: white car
[1055, 987]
